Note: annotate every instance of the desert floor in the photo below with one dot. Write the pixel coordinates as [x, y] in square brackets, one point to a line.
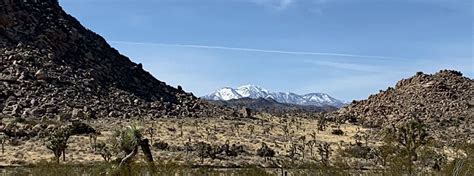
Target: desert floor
[250, 133]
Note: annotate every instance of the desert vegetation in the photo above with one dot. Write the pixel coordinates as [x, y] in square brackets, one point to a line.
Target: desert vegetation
[273, 144]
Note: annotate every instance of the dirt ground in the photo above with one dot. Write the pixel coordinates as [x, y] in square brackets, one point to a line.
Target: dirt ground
[250, 133]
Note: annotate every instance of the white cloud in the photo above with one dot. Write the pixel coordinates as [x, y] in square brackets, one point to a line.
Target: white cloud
[261, 50]
[349, 66]
[279, 4]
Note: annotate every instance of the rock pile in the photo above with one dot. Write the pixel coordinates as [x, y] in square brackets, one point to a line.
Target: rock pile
[51, 66]
[443, 101]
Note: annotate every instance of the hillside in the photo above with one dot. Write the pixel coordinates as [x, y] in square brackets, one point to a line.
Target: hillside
[443, 101]
[53, 66]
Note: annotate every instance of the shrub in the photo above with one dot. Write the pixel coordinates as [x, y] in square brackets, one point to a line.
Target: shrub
[265, 151]
[338, 132]
[161, 145]
[357, 151]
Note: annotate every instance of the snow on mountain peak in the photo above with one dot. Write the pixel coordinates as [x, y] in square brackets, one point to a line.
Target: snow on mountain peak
[252, 91]
[225, 93]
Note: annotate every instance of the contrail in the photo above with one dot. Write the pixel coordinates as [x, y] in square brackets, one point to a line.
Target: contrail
[256, 50]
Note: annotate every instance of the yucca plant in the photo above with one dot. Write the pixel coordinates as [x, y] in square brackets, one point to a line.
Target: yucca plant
[127, 141]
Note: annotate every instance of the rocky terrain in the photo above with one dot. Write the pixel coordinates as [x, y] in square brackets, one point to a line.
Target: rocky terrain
[443, 101]
[53, 67]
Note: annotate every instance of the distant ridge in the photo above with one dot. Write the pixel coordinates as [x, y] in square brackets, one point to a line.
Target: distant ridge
[255, 92]
[271, 106]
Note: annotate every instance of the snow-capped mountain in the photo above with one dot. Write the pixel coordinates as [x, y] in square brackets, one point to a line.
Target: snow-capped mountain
[225, 93]
[252, 91]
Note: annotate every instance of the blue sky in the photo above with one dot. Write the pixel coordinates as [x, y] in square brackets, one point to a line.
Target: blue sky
[347, 48]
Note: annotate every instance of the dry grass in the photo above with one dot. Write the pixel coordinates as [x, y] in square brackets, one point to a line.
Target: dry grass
[210, 130]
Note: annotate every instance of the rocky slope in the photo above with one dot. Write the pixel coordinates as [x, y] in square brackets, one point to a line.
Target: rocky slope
[52, 66]
[443, 101]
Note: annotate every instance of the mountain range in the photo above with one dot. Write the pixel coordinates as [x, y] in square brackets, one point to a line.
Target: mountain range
[255, 92]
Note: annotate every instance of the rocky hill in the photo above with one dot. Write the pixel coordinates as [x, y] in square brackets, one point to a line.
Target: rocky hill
[53, 66]
[443, 101]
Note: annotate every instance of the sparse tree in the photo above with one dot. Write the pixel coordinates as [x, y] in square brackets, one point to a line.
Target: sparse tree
[324, 151]
[322, 123]
[366, 137]
[302, 147]
[208, 133]
[313, 135]
[93, 141]
[410, 136]
[286, 131]
[3, 140]
[251, 129]
[311, 144]
[151, 132]
[57, 143]
[180, 126]
[128, 141]
[236, 128]
[196, 125]
[293, 152]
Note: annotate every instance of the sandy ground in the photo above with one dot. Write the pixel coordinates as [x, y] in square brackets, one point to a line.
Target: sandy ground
[246, 132]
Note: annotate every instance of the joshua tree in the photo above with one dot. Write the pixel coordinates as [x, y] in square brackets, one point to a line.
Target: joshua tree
[324, 151]
[411, 135]
[322, 123]
[204, 150]
[93, 141]
[311, 144]
[180, 126]
[196, 125]
[151, 132]
[313, 135]
[293, 152]
[286, 131]
[251, 129]
[188, 146]
[236, 127]
[208, 132]
[128, 141]
[57, 143]
[366, 137]
[3, 140]
[302, 147]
